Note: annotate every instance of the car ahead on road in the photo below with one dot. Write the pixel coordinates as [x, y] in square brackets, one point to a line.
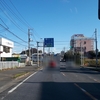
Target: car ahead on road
[62, 60]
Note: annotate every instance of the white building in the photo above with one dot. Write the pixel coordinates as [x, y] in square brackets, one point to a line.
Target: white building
[6, 47]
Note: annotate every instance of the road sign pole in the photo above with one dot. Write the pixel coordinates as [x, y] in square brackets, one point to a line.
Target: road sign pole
[37, 55]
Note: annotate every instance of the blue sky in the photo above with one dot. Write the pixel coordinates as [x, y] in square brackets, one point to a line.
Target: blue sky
[58, 19]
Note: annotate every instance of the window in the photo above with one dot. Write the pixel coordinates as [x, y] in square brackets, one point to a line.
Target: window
[84, 48]
[84, 42]
[6, 49]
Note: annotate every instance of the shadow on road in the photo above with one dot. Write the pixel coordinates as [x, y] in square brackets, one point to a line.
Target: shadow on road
[78, 70]
[67, 90]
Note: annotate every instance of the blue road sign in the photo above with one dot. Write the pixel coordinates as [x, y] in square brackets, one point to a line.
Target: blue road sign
[48, 42]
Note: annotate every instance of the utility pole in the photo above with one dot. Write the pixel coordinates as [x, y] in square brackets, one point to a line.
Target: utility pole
[96, 47]
[37, 54]
[64, 49]
[81, 50]
[74, 51]
[43, 48]
[29, 40]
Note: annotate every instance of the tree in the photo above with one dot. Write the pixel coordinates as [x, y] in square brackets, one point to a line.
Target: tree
[98, 54]
[32, 50]
[91, 54]
[68, 55]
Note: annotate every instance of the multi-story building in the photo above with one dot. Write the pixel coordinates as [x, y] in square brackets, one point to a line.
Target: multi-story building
[80, 43]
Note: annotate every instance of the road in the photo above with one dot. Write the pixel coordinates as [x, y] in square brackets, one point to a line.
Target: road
[70, 83]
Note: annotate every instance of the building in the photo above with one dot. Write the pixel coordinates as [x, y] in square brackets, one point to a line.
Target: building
[80, 43]
[15, 55]
[6, 47]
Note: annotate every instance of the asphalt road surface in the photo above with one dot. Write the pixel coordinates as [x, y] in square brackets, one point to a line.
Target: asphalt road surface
[65, 82]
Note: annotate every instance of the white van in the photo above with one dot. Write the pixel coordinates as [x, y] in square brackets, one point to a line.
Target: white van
[34, 57]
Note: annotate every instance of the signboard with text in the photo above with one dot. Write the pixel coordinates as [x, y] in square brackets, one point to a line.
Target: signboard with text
[48, 42]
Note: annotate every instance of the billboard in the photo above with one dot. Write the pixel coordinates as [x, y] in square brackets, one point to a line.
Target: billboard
[6, 42]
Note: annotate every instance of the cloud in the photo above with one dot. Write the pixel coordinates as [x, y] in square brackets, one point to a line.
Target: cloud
[71, 10]
[76, 10]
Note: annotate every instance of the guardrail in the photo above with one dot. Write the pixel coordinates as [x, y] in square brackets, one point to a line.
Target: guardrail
[10, 64]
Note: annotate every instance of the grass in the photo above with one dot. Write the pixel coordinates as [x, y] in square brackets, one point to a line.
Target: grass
[19, 74]
[91, 62]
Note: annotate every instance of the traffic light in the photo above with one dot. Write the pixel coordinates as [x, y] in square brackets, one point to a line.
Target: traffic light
[71, 47]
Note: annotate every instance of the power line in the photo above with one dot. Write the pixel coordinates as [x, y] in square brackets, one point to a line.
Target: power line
[37, 34]
[9, 8]
[61, 41]
[60, 44]
[20, 14]
[34, 38]
[13, 33]
[1, 31]
[4, 23]
[12, 20]
[12, 40]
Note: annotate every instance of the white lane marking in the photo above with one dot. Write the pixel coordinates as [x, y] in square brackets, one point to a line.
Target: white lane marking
[87, 93]
[41, 69]
[74, 74]
[63, 74]
[21, 83]
[94, 79]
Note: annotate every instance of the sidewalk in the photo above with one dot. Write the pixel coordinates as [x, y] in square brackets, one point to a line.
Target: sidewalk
[12, 76]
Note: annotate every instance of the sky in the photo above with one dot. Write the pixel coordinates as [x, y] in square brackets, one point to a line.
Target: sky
[58, 19]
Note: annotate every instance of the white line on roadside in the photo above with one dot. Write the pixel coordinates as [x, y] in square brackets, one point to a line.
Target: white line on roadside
[94, 79]
[21, 83]
[63, 74]
[87, 93]
[41, 68]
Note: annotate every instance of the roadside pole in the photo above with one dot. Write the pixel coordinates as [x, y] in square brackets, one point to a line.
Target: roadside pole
[29, 40]
[37, 54]
[81, 51]
[74, 51]
[96, 47]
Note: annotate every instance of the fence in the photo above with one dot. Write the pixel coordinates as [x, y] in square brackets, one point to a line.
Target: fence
[10, 64]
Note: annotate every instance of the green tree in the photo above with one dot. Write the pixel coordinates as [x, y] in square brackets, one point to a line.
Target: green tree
[91, 54]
